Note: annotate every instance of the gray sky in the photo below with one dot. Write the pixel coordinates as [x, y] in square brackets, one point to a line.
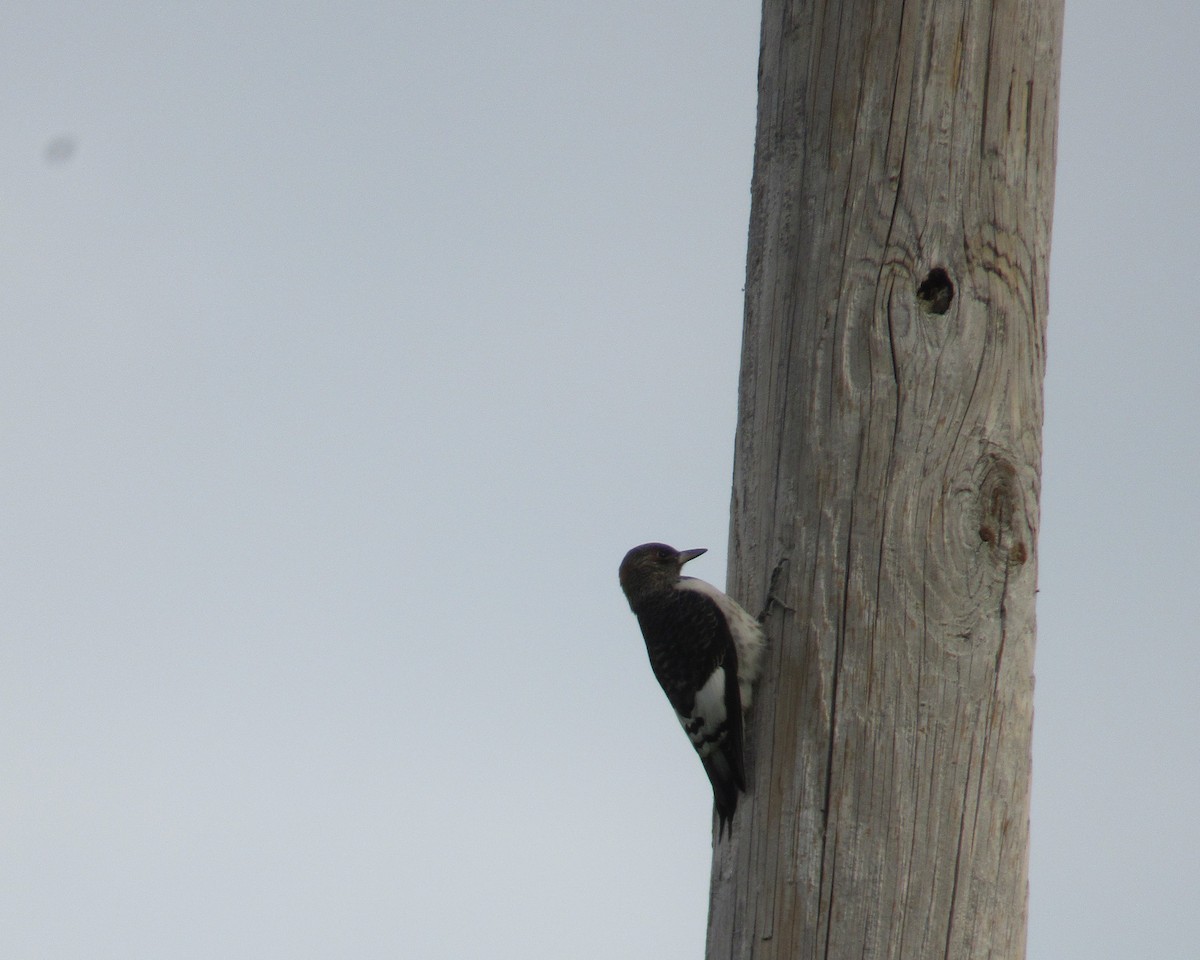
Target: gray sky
[346, 348]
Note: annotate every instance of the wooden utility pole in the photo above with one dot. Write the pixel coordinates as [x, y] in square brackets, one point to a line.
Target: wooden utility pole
[886, 480]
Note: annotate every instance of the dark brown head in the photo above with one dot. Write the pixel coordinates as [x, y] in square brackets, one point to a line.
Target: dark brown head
[652, 568]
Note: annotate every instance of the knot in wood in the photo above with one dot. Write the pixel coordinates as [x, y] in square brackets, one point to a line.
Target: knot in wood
[1001, 513]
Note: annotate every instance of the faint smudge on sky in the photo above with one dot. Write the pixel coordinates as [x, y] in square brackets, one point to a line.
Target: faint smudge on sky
[59, 150]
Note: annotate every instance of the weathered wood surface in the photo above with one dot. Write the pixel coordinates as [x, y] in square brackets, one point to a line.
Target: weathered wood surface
[887, 477]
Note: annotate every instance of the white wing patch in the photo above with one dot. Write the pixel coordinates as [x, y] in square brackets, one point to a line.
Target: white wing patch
[708, 714]
[747, 636]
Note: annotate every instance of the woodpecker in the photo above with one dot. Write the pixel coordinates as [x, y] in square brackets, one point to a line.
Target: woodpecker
[705, 651]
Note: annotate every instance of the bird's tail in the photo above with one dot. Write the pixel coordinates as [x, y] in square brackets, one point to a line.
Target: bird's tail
[727, 782]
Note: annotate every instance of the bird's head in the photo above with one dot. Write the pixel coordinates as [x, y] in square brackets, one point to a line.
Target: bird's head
[653, 567]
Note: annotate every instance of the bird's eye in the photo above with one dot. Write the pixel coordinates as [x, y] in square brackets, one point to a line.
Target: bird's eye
[664, 554]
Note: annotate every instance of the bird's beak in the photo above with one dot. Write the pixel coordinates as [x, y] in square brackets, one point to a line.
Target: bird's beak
[686, 555]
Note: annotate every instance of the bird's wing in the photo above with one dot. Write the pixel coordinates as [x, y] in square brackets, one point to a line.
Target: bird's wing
[687, 639]
[695, 660]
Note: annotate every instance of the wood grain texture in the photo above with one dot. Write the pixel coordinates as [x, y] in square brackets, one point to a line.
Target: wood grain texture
[886, 480]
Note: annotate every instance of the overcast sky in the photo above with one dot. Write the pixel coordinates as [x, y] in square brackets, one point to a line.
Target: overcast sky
[345, 350]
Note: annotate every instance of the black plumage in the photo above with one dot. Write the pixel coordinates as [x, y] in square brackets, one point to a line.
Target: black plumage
[696, 638]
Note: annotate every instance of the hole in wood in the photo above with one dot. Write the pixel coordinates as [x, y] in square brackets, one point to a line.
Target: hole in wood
[936, 291]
